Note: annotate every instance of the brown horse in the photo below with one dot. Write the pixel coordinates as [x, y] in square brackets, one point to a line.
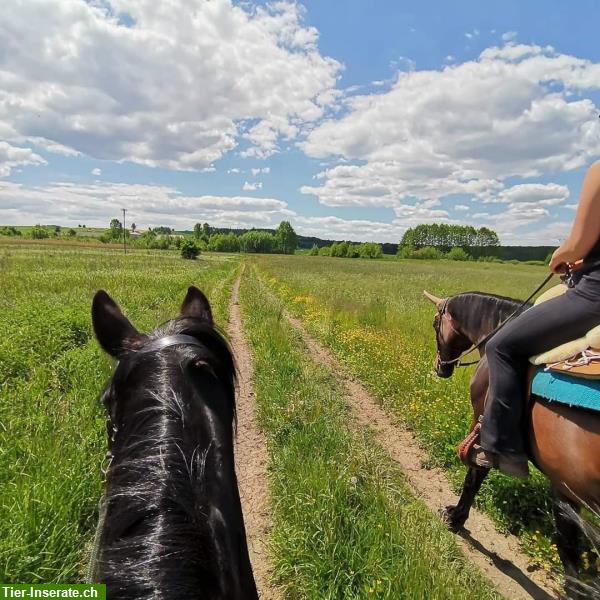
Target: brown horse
[563, 441]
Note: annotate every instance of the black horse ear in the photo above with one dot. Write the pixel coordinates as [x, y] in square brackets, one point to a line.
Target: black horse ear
[113, 329]
[196, 306]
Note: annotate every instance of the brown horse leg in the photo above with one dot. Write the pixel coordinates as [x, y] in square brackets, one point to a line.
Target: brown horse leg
[456, 516]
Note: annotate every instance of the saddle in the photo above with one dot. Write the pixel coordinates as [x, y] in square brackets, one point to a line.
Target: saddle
[579, 357]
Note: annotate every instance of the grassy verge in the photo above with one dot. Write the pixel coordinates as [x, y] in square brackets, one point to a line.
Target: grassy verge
[374, 318]
[345, 525]
[52, 429]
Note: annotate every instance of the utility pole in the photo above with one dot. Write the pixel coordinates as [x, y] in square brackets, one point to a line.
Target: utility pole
[124, 242]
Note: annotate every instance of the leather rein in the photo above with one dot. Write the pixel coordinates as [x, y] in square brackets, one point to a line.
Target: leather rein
[475, 346]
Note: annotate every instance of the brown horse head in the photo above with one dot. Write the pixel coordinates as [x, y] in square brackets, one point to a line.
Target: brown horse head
[451, 341]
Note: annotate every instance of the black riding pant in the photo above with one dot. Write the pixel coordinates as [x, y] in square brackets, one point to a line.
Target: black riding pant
[537, 330]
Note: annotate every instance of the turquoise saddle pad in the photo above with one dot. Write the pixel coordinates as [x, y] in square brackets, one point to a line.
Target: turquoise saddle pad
[566, 389]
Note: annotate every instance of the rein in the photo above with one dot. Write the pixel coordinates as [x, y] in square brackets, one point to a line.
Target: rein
[474, 346]
[154, 346]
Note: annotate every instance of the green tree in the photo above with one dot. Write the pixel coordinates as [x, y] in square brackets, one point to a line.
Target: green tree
[314, 251]
[287, 240]
[189, 250]
[133, 227]
[71, 233]
[198, 231]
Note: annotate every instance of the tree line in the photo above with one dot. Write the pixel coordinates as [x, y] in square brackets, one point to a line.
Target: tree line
[445, 237]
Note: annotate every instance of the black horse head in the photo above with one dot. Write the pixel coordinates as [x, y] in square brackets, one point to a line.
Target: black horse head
[173, 524]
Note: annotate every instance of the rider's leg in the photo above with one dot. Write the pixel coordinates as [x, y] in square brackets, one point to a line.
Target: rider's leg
[536, 330]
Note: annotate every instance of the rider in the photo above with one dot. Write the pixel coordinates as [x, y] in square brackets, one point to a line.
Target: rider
[537, 330]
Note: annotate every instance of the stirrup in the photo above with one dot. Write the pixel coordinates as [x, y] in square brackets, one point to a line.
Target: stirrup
[467, 448]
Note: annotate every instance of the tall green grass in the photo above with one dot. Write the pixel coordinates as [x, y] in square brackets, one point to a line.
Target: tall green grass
[374, 318]
[345, 524]
[52, 428]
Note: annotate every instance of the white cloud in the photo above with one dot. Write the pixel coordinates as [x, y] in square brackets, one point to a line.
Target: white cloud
[461, 207]
[509, 36]
[178, 88]
[539, 194]
[13, 156]
[96, 172]
[335, 228]
[264, 170]
[250, 187]
[235, 170]
[464, 129]
[147, 205]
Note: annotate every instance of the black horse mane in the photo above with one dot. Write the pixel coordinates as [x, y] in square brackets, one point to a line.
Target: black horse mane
[156, 538]
[480, 313]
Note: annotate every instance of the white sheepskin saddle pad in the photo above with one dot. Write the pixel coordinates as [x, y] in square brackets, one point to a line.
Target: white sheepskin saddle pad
[570, 349]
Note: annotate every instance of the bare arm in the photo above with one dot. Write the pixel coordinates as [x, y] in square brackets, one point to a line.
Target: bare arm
[586, 227]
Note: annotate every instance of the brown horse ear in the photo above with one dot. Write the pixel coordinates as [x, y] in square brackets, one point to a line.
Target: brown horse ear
[437, 301]
[196, 306]
[113, 330]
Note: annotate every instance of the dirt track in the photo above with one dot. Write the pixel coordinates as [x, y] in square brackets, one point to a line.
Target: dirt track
[498, 556]
[251, 458]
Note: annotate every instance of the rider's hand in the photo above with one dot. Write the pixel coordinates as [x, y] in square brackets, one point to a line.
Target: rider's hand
[562, 259]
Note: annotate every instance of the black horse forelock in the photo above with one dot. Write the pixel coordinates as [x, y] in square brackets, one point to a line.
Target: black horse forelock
[156, 540]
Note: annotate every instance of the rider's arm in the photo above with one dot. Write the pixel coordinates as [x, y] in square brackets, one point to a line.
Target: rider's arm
[586, 227]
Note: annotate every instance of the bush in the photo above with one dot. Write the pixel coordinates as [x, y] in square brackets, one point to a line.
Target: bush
[189, 250]
[458, 253]
[370, 250]
[39, 233]
[223, 242]
[426, 253]
[71, 233]
[325, 251]
[257, 241]
[314, 251]
[10, 231]
[405, 251]
[493, 259]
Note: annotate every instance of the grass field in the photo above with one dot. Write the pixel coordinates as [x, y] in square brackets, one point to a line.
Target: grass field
[345, 525]
[375, 319]
[52, 429]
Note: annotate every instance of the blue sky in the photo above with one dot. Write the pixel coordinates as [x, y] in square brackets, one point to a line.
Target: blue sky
[353, 120]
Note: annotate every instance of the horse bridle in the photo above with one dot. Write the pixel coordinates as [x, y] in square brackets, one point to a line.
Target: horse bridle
[442, 312]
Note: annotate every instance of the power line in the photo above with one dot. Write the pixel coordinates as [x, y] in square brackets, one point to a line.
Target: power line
[124, 242]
